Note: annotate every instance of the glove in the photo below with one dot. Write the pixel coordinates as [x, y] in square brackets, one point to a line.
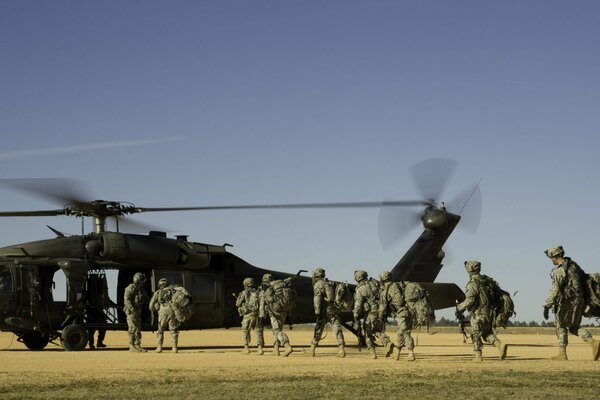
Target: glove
[458, 315]
[546, 310]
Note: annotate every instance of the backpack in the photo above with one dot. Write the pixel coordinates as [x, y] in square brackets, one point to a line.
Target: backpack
[419, 304]
[500, 303]
[592, 289]
[182, 304]
[343, 297]
[281, 296]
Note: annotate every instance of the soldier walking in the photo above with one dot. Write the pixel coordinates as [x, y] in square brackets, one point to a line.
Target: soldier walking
[366, 307]
[270, 308]
[392, 304]
[326, 310]
[134, 298]
[480, 301]
[248, 305]
[567, 301]
[161, 304]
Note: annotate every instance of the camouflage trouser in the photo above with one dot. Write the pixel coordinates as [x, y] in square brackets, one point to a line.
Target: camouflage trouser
[134, 325]
[374, 327]
[250, 322]
[481, 329]
[167, 320]
[277, 321]
[336, 329]
[404, 320]
[568, 319]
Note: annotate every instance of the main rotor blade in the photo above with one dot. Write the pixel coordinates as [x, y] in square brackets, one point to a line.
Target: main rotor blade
[58, 190]
[431, 176]
[41, 213]
[366, 204]
[468, 205]
[394, 223]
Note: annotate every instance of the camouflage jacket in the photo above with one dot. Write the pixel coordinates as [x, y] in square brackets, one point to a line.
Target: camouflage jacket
[134, 299]
[479, 295]
[391, 299]
[324, 297]
[567, 284]
[365, 299]
[247, 302]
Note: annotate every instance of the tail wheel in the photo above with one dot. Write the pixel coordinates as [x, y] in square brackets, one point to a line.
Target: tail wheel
[74, 337]
[35, 340]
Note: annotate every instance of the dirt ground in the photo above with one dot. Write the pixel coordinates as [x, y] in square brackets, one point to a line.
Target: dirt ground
[215, 356]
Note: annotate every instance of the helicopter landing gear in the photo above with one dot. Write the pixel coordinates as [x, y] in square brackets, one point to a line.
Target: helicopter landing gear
[34, 340]
[74, 338]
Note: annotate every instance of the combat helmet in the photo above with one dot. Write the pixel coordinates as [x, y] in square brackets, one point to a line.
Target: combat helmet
[319, 273]
[473, 266]
[385, 276]
[163, 283]
[139, 278]
[248, 282]
[360, 275]
[267, 278]
[555, 251]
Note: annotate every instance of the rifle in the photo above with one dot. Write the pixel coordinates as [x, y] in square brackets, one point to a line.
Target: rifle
[461, 324]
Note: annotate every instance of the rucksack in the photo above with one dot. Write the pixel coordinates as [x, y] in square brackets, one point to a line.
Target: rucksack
[282, 296]
[182, 304]
[502, 305]
[419, 304]
[343, 297]
[592, 289]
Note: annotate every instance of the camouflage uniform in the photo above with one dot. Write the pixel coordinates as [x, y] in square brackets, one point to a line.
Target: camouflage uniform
[277, 318]
[366, 306]
[248, 304]
[326, 310]
[480, 302]
[392, 304]
[567, 300]
[135, 296]
[161, 303]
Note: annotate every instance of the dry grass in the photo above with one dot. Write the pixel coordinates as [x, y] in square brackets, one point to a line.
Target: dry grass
[211, 366]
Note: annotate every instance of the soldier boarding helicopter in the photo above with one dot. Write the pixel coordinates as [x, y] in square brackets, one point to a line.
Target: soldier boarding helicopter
[208, 272]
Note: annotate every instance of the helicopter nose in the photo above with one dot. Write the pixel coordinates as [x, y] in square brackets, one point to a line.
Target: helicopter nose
[435, 219]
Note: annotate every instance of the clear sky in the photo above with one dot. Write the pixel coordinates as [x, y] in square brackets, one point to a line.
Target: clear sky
[179, 103]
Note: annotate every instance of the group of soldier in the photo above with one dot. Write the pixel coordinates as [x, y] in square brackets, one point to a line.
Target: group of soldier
[374, 302]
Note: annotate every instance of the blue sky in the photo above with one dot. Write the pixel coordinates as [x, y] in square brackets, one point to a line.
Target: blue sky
[181, 103]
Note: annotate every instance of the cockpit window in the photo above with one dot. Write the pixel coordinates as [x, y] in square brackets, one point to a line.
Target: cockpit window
[6, 283]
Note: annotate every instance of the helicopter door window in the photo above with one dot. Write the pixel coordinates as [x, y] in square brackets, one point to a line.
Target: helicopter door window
[6, 283]
[204, 288]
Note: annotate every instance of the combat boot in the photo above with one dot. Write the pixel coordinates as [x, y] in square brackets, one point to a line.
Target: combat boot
[398, 352]
[275, 350]
[175, 349]
[595, 349]
[134, 349]
[502, 349]
[389, 349]
[100, 344]
[561, 356]
[288, 350]
[373, 353]
[140, 348]
[260, 350]
[311, 350]
[478, 357]
[341, 351]
[246, 350]
[411, 355]
[159, 348]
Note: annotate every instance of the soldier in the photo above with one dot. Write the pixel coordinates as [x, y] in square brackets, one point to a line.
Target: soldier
[95, 314]
[480, 302]
[366, 307]
[135, 296]
[392, 304]
[269, 309]
[161, 304]
[326, 310]
[248, 304]
[566, 300]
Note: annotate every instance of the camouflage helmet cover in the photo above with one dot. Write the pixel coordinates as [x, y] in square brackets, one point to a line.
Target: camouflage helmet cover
[319, 273]
[248, 282]
[163, 282]
[360, 275]
[139, 277]
[385, 276]
[473, 266]
[555, 251]
[267, 278]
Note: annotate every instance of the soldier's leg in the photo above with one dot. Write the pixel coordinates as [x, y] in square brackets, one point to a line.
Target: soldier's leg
[91, 333]
[337, 330]
[563, 340]
[174, 328]
[131, 332]
[101, 336]
[476, 329]
[370, 338]
[402, 319]
[159, 337]
[260, 337]
[587, 337]
[246, 321]
[317, 335]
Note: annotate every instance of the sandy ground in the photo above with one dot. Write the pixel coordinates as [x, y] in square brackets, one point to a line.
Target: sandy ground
[218, 353]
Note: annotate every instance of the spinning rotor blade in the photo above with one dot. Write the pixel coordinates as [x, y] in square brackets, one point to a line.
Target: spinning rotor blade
[57, 190]
[41, 213]
[431, 176]
[468, 205]
[394, 223]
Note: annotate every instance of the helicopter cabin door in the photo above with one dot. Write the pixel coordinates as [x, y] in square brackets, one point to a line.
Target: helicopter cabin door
[206, 295]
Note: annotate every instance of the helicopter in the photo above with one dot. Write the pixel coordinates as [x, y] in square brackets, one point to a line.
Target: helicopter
[210, 273]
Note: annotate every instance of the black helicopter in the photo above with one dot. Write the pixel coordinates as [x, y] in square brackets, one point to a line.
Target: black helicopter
[209, 272]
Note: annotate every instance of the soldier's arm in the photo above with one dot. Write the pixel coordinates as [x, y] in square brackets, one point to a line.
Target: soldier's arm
[240, 299]
[471, 298]
[397, 297]
[128, 298]
[358, 302]
[153, 301]
[318, 297]
[558, 280]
